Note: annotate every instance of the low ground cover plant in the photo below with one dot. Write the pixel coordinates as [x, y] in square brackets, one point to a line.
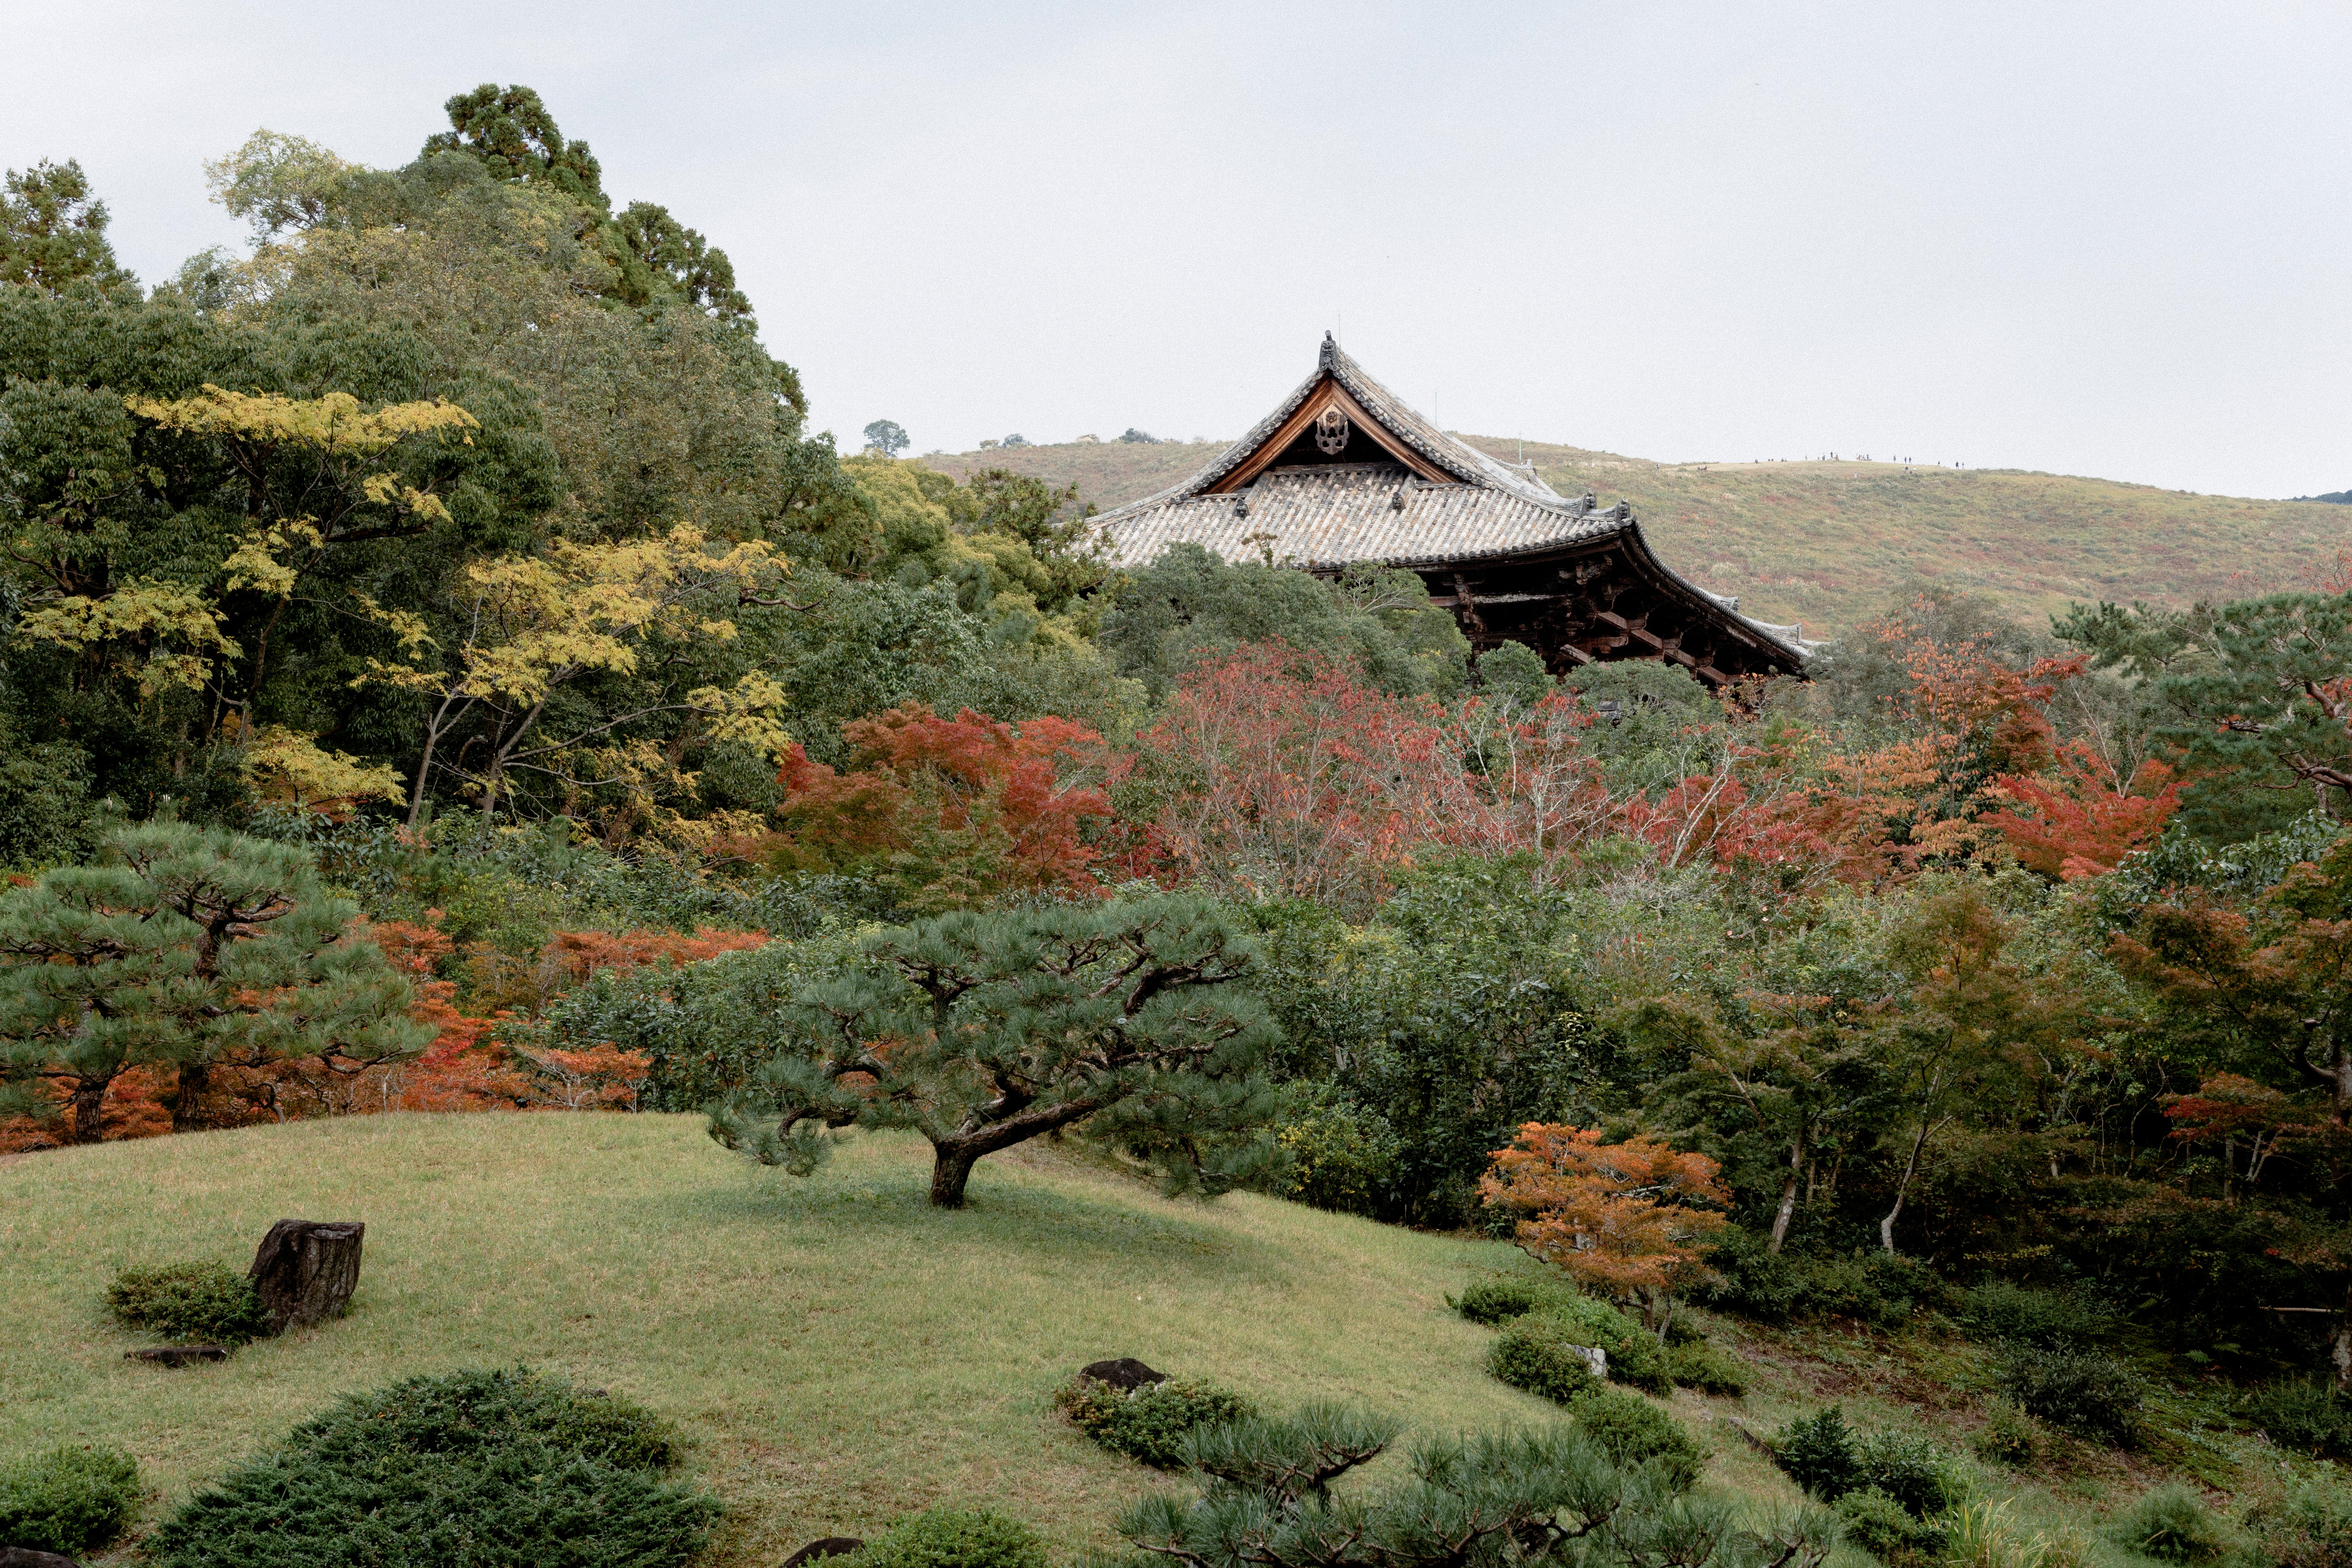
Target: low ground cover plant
[951, 1537]
[68, 1499]
[2009, 1437]
[1700, 1365]
[206, 1302]
[1149, 1423]
[2307, 1523]
[495, 1469]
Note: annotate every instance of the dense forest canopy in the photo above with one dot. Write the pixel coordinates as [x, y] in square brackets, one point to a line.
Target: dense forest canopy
[468, 536]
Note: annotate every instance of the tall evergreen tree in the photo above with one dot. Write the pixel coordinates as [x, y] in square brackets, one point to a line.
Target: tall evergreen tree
[53, 231]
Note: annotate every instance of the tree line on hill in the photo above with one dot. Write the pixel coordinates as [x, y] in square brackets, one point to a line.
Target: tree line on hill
[443, 671]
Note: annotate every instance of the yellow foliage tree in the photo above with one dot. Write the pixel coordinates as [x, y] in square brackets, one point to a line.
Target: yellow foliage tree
[533, 625]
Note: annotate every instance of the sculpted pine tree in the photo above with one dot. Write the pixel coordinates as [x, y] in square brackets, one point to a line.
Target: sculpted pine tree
[188, 949]
[982, 1031]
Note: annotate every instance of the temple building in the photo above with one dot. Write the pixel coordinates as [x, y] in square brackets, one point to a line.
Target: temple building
[1343, 473]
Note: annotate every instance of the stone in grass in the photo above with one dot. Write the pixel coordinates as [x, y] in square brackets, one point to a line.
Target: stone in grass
[178, 1355]
[830, 1546]
[305, 1270]
[1125, 1373]
[25, 1557]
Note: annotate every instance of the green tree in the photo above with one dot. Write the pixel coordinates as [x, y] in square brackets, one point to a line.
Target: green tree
[188, 949]
[886, 436]
[53, 232]
[982, 1031]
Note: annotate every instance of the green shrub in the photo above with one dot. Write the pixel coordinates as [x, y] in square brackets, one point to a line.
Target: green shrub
[1633, 1431]
[2303, 1414]
[1817, 1452]
[1886, 1529]
[1500, 1298]
[1337, 1155]
[1682, 1328]
[952, 1538]
[2309, 1523]
[1635, 1357]
[1539, 1354]
[205, 1302]
[2009, 1437]
[1872, 1286]
[1998, 1310]
[1702, 1366]
[493, 1469]
[67, 1500]
[2082, 1391]
[1148, 1423]
[2172, 1525]
[1910, 1469]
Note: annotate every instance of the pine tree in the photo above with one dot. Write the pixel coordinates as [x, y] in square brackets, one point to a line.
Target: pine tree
[984, 1030]
[1546, 1497]
[189, 948]
[52, 232]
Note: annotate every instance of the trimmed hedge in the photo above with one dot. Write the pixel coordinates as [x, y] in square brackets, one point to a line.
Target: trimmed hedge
[951, 1537]
[67, 1500]
[1149, 1423]
[492, 1470]
[1501, 1297]
[208, 1301]
[1542, 1355]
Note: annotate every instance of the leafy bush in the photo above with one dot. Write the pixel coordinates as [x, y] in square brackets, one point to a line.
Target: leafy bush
[952, 1538]
[1635, 1357]
[2009, 1437]
[1817, 1452]
[1337, 1154]
[67, 1500]
[1539, 1354]
[1910, 1469]
[205, 1302]
[1633, 1431]
[2082, 1391]
[1877, 1287]
[1148, 1423]
[495, 1469]
[2172, 1525]
[1998, 1310]
[1886, 1529]
[2303, 1414]
[1682, 1328]
[1499, 1297]
[1700, 1365]
[2309, 1523]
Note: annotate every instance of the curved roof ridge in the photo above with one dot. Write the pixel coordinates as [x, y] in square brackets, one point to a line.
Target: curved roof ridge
[1457, 458]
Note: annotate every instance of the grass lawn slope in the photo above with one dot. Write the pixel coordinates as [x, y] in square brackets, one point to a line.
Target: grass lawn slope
[836, 1351]
[1828, 543]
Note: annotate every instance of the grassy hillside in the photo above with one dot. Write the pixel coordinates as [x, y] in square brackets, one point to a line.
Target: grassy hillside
[838, 1352]
[1828, 543]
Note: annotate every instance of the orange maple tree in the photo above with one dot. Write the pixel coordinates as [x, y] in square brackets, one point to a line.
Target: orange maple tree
[950, 811]
[1623, 1218]
[2079, 819]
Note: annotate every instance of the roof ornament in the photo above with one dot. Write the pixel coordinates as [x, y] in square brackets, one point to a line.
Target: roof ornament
[1331, 432]
[1396, 501]
[1240, 507]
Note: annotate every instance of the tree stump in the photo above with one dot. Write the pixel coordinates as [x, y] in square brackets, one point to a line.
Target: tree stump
[1125, 1373]
[306, 1270]
[25, 1557]
[830, 1546]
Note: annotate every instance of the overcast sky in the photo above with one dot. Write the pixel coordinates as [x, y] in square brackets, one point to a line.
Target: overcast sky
[2095, 239]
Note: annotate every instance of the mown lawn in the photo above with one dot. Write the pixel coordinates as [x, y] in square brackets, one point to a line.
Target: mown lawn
[840, 1352]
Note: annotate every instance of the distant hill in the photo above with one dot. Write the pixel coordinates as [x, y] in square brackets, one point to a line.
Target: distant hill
[1828, 543]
